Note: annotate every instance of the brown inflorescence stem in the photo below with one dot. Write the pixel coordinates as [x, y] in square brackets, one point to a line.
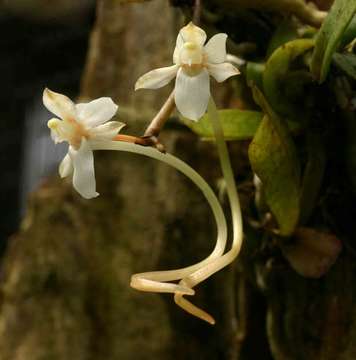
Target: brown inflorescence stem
[197, 12]
[150, 137]
[157, 123]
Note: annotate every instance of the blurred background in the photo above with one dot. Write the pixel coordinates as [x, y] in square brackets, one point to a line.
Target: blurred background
[43, 43]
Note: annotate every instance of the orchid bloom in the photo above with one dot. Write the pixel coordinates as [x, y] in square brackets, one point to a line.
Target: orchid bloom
[80, 125]
[193, 63]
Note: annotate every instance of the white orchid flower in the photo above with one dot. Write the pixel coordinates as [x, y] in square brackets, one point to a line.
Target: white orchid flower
[193, 63]
[80, 125]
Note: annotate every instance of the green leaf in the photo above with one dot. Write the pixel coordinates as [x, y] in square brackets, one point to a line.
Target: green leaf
[254, 73]
[276, 82]
[237, 124]
[273, 158]
[349, 33]
[285, 32]
[347, 63]
[330, 36]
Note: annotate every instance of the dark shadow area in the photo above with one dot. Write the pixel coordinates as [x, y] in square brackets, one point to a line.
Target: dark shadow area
[31, 50]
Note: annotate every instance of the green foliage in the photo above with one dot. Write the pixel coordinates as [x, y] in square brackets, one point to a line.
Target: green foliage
[254, 73]
[273, 158]
[347, 63]
[349, 33]
[237, 124]
[277, 83]
[330, 36]
[285, 32]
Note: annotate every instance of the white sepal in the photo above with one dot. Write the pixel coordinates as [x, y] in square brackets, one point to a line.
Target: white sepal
[178, 48]
[83, 174]
[58, 104]
[193, 34]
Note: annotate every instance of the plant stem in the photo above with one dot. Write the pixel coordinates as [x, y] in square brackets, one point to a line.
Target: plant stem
[150, 137]
[157, 123]
[155, 281]
[230, 182]
[217, 264]
[197, 12]
[154, 128]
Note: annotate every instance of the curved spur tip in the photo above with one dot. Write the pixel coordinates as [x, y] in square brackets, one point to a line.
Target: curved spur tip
[182, 290]
[192, 309]
[209, 319]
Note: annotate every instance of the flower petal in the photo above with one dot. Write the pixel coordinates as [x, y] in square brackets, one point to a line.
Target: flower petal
[216, 49]
[106, 131]
[66, 167]
[96, 112]
[58, 104]
[157, 78]
[83, 175]
[194, 34]
[222, 71]
[192, 94]
[178, 48]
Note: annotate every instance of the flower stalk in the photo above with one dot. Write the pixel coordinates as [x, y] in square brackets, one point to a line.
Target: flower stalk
[197, 12]
[150, 137]
[157, 123]
[156, 281]
[217, 264]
